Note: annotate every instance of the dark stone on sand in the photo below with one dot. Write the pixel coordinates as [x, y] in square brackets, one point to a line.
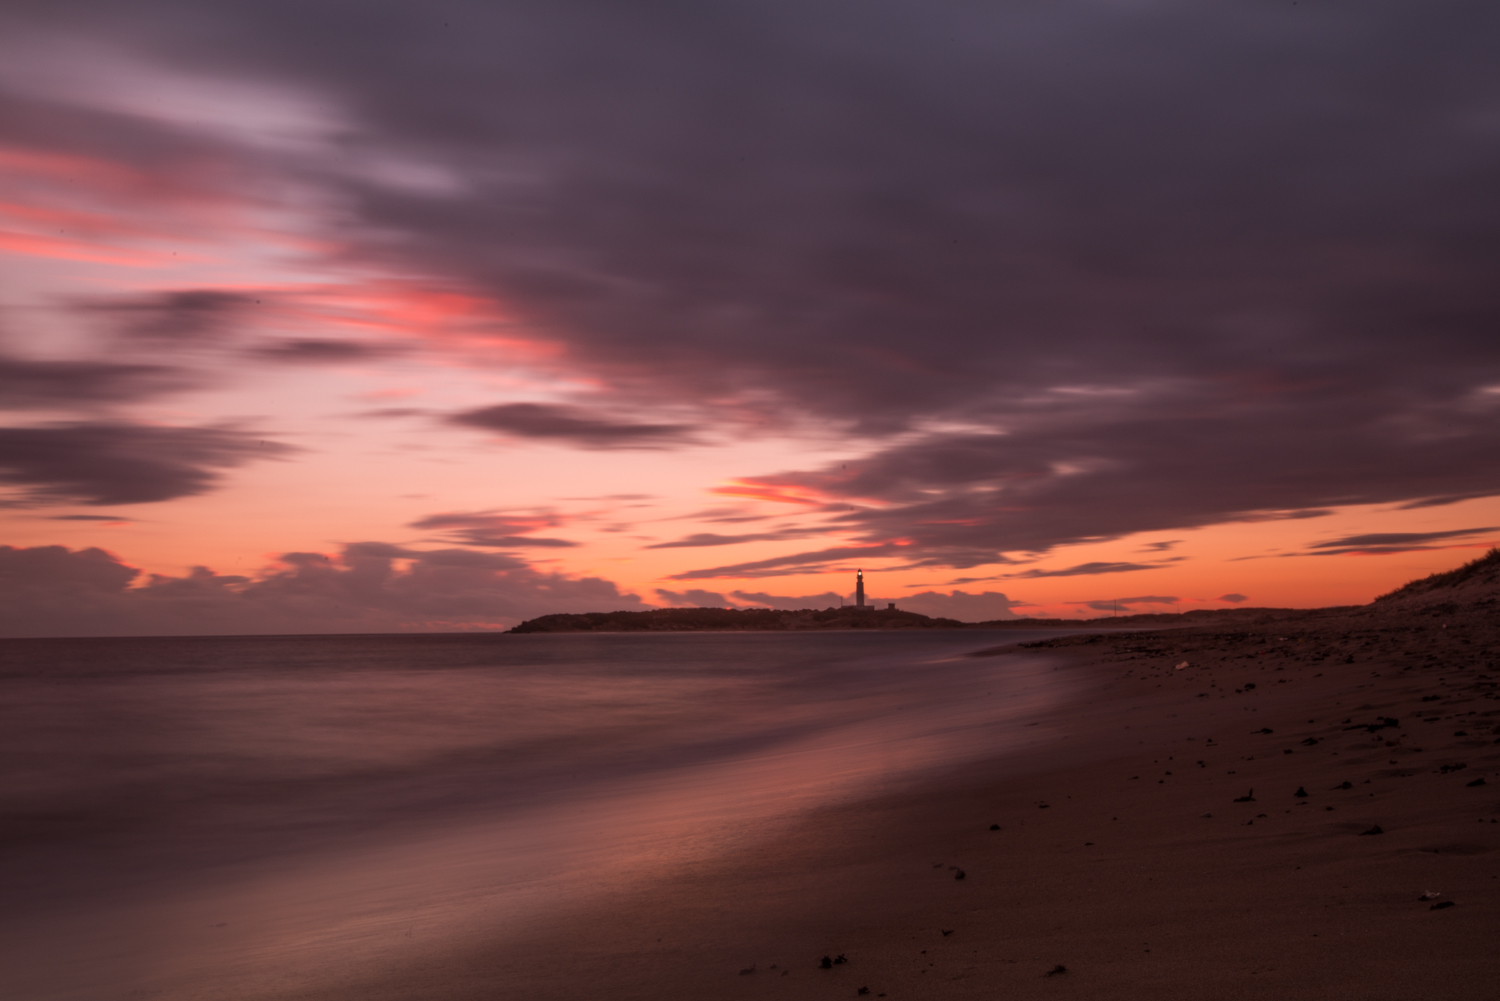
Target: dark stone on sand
[1445, 769]
[1374, 830]
[946, 931]
[994, 827]
[1344, 785]
[1264, 729]
[1310, 741]
[1249, 797]
[1476, 782]
[959, 874]
[1301, 793]
[839, 959]
[1249, 686]
[747, 972]
[863, 990]
[1059, 968]
[1460, 733]
[826, 964]
[1441, 905]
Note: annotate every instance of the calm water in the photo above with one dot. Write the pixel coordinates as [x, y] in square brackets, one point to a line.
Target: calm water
[217, 817]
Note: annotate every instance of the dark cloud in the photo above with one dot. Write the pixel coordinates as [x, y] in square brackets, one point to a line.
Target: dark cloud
[983, 607]
[488, 529]
[26, 384]
[322, 352]
[694, 598]
[178, 318]
[51, 591]
[797, 563]
[1399, 538]
[1232, 598]
[701, 539]
[89, 517]
[790, 602]
[1161, 265]
[120, 462]
[1085, 570]
[572, 425]
[1111, 604]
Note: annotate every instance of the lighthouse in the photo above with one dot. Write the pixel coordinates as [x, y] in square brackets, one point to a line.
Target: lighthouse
[859, 589]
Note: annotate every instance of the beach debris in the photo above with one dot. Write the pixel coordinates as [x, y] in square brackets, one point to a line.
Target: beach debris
[1043, 806]
[946, 931]
[747, 971]
[826, 963]
[1344, 785]
[863, 990]
[1249, 685]
[1249, 797]
[1430, 895]
[994, 827]
[959, 874]
[1180, 666]
[1059, 968]
[1310, 741]
[1441, 905]
[1477, 782]
[1301, 793]
[839, 959]
[1264, 729]
[1374, 830]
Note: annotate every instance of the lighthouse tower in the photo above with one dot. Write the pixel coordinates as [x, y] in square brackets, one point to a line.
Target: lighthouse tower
[859, 589]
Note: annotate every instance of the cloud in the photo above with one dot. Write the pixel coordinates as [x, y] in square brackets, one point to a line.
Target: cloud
[368, 587]
[694, 598]
[1381, 543]
[312, 351]
[572, 425]
[796, 563]
[90, 517]
[1234, 599]
[26, 384]
[121, 462]
[1065, 272]
[787, 602]
[702, 539]
[1111, 604]
[186, 316]
[493, 530]
[1084, 570]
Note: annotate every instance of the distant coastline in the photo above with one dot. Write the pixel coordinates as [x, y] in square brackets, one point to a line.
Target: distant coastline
[849, 617]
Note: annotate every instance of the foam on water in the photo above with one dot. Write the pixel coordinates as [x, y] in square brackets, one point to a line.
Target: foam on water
[221, 817]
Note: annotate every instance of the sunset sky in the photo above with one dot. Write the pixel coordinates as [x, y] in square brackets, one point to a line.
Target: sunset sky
[364, 316]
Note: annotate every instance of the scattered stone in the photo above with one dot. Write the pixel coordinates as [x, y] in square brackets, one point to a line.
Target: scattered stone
[826, 964]
[1374, 830]
[1310, 741]
[1445, 769]
[747, 971]
[1059, 968]
[1249, 797]
[1460, 733]
[1344, 785]
[1441, 905]
[946, 931]
[1264, 729]
[959, 874]
[839, 959]
[1301, 793]
[994, 827]
[1477, 782]
[863, 990]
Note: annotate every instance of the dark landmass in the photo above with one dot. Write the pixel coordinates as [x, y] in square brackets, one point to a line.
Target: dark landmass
[848, 617]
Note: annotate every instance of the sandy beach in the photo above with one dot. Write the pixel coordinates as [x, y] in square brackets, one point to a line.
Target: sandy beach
[1163, 849]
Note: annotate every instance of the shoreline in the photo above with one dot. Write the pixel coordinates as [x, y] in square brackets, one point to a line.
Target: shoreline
[1141, 875]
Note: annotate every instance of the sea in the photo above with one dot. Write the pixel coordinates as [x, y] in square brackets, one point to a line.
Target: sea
[234, 817]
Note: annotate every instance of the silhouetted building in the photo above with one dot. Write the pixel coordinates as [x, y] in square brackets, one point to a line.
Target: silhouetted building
[859, 589]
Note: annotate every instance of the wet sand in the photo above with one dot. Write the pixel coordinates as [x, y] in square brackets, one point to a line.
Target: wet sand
[1128, 860]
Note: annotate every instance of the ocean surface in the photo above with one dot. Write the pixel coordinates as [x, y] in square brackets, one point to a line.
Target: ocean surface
[228, 817]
